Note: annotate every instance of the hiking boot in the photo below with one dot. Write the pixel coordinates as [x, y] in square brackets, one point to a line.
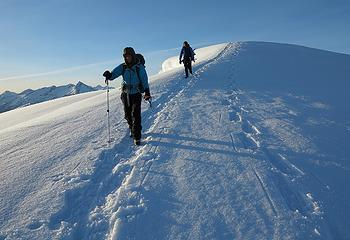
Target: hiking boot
[137, 142]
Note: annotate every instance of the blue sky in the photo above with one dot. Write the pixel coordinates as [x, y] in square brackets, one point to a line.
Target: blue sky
[55, 42]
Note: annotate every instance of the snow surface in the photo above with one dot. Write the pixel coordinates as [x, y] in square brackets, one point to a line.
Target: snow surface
[253, 146]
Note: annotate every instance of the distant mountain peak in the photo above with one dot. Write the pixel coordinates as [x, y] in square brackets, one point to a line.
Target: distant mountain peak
[81, 87]
[8, 93]
[80, 83]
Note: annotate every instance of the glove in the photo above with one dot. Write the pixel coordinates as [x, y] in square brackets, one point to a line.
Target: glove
[180, 61]
[108, 75]
[147, 95]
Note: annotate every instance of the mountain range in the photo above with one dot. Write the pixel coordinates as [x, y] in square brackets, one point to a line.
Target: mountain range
[11, 100]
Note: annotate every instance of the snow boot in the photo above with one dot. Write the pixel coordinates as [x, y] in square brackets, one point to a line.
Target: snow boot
[131, 134]
[137, 142]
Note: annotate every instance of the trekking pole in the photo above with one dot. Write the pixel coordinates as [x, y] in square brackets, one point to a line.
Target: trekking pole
[150, 102]
[108, 124]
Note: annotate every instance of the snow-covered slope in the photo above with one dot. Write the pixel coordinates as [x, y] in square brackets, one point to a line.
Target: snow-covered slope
[253, 146]
[10, 100]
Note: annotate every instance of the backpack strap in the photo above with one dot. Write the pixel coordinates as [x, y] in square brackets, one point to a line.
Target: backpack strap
[140, 85]
[123, 71]
[138, 72]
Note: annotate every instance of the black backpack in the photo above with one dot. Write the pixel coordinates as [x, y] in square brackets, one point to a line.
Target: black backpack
[140, 58]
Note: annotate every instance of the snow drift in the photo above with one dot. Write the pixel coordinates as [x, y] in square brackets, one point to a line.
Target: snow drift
[252, 146]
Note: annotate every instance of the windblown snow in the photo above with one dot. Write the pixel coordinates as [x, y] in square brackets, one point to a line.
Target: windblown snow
[254, 145]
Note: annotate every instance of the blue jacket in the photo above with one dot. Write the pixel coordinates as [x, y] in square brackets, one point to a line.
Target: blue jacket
[131, 83]
[187, 53]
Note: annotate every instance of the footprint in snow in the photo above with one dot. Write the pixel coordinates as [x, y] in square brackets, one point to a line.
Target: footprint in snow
[249, 128]
[249, 142]
[36, 224]
[225, 102]
[104, 145]
[245, 141]
[233, 97]
[121, 168]
[76, 179]
[57, 177]
[244, 110]
[234, 117]
[278, 162]
[149, 156]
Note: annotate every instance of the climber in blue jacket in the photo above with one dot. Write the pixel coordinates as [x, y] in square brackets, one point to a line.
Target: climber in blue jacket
[135, 82]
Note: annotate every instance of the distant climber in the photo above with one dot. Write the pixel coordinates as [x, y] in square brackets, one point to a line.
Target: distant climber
[135, 82]
[188, 56]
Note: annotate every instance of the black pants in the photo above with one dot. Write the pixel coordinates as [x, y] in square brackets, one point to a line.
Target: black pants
[132, 112]
[188, 66]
